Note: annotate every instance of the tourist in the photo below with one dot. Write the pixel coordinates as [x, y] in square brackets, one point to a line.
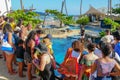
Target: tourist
[12, 23]
[29, 28]
[37, 40]
[87, 61]
[47, 40]
[70, 65]
[20, 57]
[117, 43]
[105, 65]
[23, 33]
[45, 64]
[108, 37]
[20, 24]
[30, 44]
[49, 45]
[7, 30]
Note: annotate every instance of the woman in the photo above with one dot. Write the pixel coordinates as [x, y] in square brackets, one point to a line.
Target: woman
[87, 61]
[45, 64]
[70, 66]
[30, 44]
[7, 30]
[105, 65]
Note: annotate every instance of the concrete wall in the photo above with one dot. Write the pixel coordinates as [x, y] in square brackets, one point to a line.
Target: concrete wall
[5, 6]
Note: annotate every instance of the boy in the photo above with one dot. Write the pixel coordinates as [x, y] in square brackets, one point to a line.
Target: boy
[20, 56]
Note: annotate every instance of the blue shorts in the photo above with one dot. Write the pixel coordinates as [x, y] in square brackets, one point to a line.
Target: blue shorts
[19, 60]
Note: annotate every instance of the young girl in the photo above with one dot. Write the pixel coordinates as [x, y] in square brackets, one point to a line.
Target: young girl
[20, 56]
[48, 44]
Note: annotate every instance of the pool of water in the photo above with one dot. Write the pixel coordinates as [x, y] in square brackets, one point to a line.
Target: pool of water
[60, 47]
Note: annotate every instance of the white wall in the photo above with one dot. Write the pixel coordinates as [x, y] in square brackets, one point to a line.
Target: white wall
[5, 6]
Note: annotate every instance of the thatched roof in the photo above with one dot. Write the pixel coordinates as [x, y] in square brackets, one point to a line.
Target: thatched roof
[94, 11]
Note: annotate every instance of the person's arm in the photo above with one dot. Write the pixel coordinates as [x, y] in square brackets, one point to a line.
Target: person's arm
[117, 56]
[32, 48]
[10, 40]
[117, 73]
[67, 54]
[42, 63]
[94, 66]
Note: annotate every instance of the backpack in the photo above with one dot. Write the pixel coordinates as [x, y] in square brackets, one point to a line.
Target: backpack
[113, 56]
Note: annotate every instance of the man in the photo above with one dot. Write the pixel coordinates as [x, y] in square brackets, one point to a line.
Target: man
[108, 38]
[117, 44]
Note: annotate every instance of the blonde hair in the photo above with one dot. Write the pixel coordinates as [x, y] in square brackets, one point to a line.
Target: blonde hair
[47, 41]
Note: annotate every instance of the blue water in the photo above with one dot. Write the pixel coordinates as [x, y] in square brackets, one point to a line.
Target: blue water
[60, 47]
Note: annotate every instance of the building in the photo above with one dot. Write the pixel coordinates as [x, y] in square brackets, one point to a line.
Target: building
[5, 7]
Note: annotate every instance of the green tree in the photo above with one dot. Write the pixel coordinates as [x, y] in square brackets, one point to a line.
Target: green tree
[61, 17]
[116, 10]
[114, 24]
[83, 20]
[27, 17]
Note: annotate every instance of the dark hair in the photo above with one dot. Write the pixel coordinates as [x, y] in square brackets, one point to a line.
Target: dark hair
[91, 46]
[116, 35]
[107, 31]
[31, 35]
[11, 20]
[76, 45]
[101, 44]
[20, 23]
[7, 28]
[39, 31]
[20, 41]
[106, 50]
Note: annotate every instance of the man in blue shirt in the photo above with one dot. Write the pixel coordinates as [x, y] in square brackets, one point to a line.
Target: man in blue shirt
[117, 45]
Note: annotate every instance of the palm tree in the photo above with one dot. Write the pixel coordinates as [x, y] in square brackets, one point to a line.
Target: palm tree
[110, 7]
[45, 15]
[81, 7]
[63, 6]
[21, 3]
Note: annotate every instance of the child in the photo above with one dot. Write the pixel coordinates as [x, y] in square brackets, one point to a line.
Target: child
[48, 43]
[20, 56]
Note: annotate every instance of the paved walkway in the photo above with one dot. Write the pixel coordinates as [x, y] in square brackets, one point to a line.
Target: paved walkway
[4, 75]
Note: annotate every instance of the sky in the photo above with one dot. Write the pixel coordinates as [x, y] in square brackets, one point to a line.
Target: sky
[73, 6]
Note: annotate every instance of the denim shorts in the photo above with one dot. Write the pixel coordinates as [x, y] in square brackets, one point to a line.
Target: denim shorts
[19, 60]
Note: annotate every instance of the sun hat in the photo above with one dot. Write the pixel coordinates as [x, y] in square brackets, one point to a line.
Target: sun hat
[48, 36]
[41, 48]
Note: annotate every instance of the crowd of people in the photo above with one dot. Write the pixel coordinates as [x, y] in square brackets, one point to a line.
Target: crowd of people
[83, 60]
